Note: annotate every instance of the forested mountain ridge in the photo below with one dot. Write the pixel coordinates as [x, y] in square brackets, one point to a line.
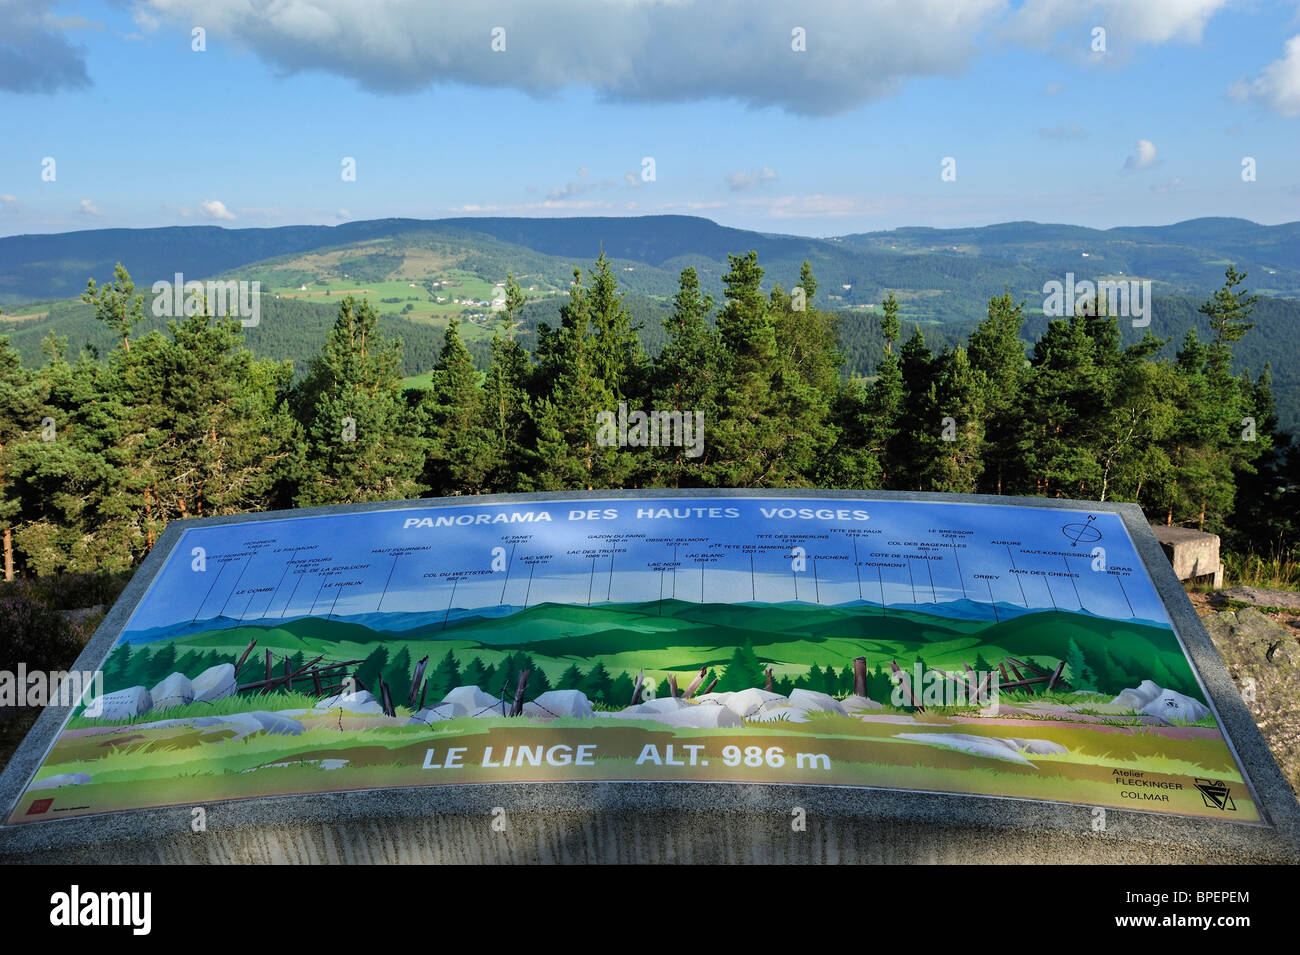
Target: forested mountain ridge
[1184, 257]
[97, 455]
[419, 274]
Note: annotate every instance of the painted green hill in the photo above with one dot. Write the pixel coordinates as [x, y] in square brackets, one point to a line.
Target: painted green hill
[684, 636]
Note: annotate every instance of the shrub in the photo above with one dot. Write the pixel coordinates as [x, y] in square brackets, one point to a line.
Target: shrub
[34, 633]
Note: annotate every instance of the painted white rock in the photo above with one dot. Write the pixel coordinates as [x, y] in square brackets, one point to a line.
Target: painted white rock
[719, 698]
[821, 702]
[1137, 698]
[434, 714]
[701, 717]
[361, 701]
[215, 683]
[62, 779]
[120, 705]
[857, 704]
[748, 702]
[560, 703]
[471, 701]
[781, 714]
[173, 690]
[1038, 747]
[1172, 705]
[277, 723]
[975, 745]
[669, 704]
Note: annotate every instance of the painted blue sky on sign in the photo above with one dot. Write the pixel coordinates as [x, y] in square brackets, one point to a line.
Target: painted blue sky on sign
[955, 559]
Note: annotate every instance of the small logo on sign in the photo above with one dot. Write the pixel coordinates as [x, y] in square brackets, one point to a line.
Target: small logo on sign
[40, 806]
[1216, 794]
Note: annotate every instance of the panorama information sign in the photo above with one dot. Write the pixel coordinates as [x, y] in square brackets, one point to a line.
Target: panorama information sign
[987, 649]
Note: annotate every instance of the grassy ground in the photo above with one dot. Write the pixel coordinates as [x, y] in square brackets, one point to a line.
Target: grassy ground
[130, 769]
[1278, 572]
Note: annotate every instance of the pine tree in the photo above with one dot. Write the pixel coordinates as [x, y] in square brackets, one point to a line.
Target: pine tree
[371, 668]
[597, 683]
[567, 454]
[20, 408]
[616, 355]
[506, 399]
[871, 420]
[1078, 672]
[747, 438]
[997, 354]
[910, 448]
[686, 378]
[1061, 411]
[574, 679]
[474, 674]
[397, 674]
[363, 442]
[806, 385]
[949, 454]
[446, 676]
[117, 304]
[812, 680]
[744, 670]
[78, 517]
[620, 691]
[460, 442]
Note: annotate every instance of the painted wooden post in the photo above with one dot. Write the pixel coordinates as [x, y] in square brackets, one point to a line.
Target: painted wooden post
[695, 684]
[415, 683]
[518, 706]
[906, 687]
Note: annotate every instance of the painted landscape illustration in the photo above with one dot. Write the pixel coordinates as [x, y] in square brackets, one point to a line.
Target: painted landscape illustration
[998, 650]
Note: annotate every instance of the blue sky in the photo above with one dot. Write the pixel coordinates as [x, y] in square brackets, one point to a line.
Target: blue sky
[386, 561]
[845, 135]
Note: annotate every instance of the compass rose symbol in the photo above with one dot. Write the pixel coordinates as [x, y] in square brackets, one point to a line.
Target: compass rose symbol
[1085, 533]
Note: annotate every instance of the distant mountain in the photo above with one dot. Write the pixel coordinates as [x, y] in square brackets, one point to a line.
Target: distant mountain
[1187, 256]
[431, 624]
[380, 624]
[418, 273]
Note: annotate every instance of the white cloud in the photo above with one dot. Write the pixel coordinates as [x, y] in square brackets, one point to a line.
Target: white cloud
[1128, 23]
[1144, 157]
[743, 180]
[1278, 84]
[8, 203]
[631, 50]
[577, 187]
[815, 206]
[88, 208]
[215, 209]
